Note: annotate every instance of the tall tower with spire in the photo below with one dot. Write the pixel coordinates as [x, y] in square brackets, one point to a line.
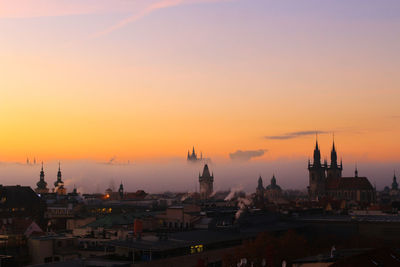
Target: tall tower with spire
[317, 177]
[334, 171]
[206, 183]
[59, 184]
[41, 185]
[59, 176]
[121, 191]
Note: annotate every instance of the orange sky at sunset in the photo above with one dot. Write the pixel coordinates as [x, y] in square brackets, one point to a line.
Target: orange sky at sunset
[220, 75]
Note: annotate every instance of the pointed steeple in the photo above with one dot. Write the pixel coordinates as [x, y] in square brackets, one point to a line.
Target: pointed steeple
[59, 176]
[317, 155]
[41, 185]
[333, 154]
[356, 172]
[59, 171]
[42, 173]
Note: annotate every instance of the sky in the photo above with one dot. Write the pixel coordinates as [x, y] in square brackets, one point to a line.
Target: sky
[242, 80]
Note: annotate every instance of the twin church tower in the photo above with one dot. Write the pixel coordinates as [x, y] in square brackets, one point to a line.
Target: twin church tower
[58, 184]
[319, 173]
[327, 181]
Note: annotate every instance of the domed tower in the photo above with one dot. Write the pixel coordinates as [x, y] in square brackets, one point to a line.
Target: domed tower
[206, 183]
[41, 185]
[59, 184]
[59, 181]
[317, 177]
[273, 191]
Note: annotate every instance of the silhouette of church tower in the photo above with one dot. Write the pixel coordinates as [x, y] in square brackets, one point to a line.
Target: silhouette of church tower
[121, 191]
[59, 176]
[41, 185]
[193, 157]
[206, 183]
[317, 177]
[334, 171]
[395, 185]
[59, 184]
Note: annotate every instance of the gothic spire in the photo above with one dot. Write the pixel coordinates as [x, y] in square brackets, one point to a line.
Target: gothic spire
[333, 154]
[59, 171]
[42, 173]
[317, 154]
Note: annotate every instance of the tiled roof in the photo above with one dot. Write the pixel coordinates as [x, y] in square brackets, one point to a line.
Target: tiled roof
[349, 183]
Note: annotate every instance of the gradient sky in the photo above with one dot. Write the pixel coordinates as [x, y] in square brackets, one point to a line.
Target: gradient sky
[147, 79]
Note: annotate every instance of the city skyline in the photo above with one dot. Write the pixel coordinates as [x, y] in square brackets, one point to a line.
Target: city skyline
[181, 175]
[146, 80]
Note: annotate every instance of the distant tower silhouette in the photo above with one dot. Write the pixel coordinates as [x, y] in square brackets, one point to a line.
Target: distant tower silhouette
[41, 185]
[395, 186]
[334, 171]
[193, 157]
[260, 187]
[206, 183]
[59, 184]
[121, 191]
[59, 176]
[317, 176]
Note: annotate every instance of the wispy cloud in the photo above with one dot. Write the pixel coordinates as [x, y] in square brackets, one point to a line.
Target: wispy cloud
[245, 155]
[140, 13]
[293, 135]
